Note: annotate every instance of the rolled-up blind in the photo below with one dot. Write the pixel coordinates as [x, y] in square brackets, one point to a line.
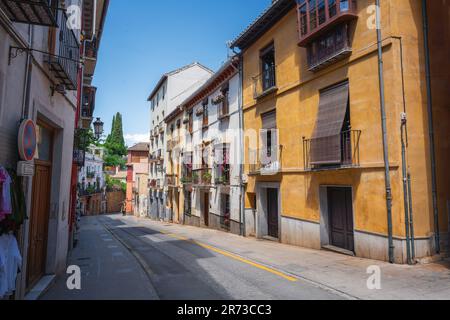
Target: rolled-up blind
[326, 140]
[269, 120]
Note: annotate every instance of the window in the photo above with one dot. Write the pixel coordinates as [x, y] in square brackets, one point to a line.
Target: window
[191, 122]
[268, 67]
[318, 16]
[329, 47]
[205, 113]
[224, 105]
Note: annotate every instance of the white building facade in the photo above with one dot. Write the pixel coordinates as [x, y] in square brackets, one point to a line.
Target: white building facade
[212, 153]
[173, 88]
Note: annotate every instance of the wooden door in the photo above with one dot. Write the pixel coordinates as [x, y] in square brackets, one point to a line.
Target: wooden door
[341, 218]
[206, 208]
[39, 219]
[272, 213]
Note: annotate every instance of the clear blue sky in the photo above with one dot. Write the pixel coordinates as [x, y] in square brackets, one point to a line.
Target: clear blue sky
[145, 38]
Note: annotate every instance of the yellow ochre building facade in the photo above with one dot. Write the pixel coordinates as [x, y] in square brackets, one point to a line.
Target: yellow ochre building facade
[315, 170]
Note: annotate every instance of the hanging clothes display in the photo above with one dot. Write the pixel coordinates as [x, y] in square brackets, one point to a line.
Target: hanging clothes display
[5, 196]
[16, 201]
[10, 264]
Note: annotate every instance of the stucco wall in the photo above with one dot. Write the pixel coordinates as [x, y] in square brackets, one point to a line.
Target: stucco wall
[297, 102]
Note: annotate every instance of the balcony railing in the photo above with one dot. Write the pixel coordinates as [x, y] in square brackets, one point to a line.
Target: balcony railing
[265, 83]
[223, 108]
[202, 177]
[88, 106]
[91, 49]
[265, 161]
[79, 157]
[187, 176]
[36, 12]
[334, 152]
[64, 66]
[171, 180]
[223, 174]
[316, 17]
[172, 144]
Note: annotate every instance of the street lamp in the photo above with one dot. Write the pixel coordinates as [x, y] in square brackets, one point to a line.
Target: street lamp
[98, 128]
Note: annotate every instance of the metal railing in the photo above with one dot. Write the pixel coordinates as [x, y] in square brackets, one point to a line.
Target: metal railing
[202, 177]
[265, 161]
[222, 174]
[91, 48]
[332, 152]
[265, 82]
[223, 108]
[64, 66]
[171, 180]
[186, 176]
[36, 12]
[88, 106]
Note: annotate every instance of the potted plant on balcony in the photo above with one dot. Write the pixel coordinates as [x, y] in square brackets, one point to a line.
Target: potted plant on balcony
[207, 177]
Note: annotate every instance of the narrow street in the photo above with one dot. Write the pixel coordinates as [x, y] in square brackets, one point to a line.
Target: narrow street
[129, 258]
[122, 259]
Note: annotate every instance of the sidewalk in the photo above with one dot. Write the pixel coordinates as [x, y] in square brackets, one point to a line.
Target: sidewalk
[345, 274]
[102, 258]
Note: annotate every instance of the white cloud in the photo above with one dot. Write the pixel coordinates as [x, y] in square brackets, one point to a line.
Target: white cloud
[132, 138]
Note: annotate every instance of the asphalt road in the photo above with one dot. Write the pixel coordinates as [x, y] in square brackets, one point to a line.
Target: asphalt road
[161, 265]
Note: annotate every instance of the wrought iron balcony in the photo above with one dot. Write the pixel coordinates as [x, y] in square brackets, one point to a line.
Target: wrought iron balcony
[223, 108]
[223, 174]
[265, 83]
[172, 143]
[202, 177]
[334, 152]
[187, 176]
[91, 49]
[265, 161]
[79, 157]
[88, 106]
[64, 65]
[36, 12]
[171, 180]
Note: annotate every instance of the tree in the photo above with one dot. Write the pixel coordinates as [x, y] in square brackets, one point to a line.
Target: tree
[115, 148]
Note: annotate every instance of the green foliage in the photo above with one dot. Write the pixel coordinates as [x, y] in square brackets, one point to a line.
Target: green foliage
[114, 184]
[115, 148]
[84, 138]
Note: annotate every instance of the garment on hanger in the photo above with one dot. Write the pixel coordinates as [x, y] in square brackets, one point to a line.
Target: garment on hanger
[5, 196]
[10, 264]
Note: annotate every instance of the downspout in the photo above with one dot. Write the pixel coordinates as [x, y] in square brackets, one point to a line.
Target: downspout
[431, 126]
[27, 79]
[385, 136]
[405, 189]
[241, 138]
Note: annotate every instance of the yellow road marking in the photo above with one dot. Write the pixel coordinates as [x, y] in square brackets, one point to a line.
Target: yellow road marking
[233, 256]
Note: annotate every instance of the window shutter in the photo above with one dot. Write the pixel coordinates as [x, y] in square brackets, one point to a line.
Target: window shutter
[326, 140]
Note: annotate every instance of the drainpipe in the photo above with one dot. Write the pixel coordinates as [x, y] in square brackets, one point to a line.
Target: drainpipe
[405, 189]
[241, 138]
[411, 220]
[385, 136]
[431, 126]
